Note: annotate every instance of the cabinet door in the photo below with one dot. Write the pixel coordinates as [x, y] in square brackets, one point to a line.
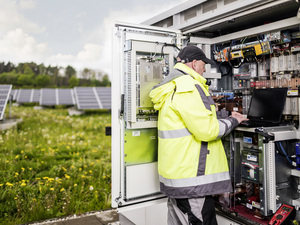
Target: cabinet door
[142, 57]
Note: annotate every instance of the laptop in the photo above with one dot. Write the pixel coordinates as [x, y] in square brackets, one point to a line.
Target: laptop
[266, 107]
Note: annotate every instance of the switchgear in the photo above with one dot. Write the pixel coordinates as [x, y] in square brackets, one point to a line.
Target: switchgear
[260, 165]
[256, 45]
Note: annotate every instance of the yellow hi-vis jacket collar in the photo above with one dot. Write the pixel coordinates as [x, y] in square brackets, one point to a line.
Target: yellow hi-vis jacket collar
[193, 73]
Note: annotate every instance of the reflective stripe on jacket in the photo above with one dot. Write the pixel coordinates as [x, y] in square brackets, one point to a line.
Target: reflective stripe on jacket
[191, 157]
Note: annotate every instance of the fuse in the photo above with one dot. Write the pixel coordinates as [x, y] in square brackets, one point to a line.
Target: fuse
[282, 63]
[291, 62]
[298, 61]
[274, 64]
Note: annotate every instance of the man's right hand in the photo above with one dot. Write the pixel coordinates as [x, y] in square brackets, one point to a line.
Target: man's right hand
[240, 118]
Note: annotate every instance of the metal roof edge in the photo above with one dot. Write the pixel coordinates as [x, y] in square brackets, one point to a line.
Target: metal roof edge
[175, 10]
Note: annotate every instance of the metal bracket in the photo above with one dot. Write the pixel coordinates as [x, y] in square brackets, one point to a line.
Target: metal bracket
[117, 200]
[267, 136]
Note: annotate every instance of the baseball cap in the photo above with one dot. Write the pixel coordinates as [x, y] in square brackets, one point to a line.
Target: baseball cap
[191, 52]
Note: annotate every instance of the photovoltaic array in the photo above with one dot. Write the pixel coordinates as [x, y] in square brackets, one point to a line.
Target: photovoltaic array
[14, 94]
[4, 97]
[104, 94]
[83, 97]
[28, 95]
[52, 97]
[93, 97]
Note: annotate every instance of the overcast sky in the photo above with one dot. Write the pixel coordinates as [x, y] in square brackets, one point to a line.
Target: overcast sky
[68, 32]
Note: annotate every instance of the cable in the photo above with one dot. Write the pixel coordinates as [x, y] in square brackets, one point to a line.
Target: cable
[280, 147]
[244, 40]
[222, 73]
[171, 45]
[155, 51]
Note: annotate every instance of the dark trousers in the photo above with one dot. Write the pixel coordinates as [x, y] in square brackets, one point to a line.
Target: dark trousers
[195, 211]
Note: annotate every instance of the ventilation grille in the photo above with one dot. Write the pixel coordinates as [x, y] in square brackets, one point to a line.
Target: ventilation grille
[209, 6]
[127, 82]
[190, 13]
[226, 2]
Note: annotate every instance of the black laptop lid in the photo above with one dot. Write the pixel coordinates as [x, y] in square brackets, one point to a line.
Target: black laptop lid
[267, 105]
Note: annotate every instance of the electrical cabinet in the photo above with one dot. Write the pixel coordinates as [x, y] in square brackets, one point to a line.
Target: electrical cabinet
[143, 57]
[251, 50]
[261, 173]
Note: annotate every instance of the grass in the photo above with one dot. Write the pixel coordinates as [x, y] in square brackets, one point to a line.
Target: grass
[53, 165]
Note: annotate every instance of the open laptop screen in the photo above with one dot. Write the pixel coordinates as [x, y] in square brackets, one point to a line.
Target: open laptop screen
[267, 105]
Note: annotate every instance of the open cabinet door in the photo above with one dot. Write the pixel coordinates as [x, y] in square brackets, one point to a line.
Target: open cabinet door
[142, 57]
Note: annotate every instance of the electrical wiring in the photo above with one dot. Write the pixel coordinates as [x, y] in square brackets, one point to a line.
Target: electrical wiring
[171, 45]
[283, 152]
[222, 73]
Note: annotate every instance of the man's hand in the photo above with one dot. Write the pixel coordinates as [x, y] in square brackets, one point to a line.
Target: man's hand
[240, 118]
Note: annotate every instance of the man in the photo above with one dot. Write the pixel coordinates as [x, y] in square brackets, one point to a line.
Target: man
[192, 164]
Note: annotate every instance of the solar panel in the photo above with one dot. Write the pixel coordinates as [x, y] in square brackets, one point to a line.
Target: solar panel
[87, 98]
[104, 94]
[65, 97]
[35, 95]
[14, 94]
[93, 97]
[48, 97]
[55, 96]
[28, 95]
[4, 96]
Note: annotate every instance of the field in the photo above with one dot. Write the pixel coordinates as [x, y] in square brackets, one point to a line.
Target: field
[53, 165]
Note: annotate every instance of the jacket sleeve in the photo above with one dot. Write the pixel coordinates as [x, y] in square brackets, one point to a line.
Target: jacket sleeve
[198, 117]
[222, 114]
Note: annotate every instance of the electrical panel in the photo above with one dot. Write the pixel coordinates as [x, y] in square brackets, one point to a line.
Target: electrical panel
[145, 66]
[260, 162]
[268, 60]
[254, 47]
[143, 58]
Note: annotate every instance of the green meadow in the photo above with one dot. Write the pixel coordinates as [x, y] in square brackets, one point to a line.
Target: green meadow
[54, 165]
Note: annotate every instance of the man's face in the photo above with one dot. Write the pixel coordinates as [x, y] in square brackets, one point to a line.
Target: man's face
[199, 66]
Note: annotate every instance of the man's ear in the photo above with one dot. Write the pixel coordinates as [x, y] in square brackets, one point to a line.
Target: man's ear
[194, 64]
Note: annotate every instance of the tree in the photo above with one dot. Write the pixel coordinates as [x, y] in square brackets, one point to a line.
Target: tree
[86, 73]
[25, 80]
[42, 81]
[70, 71]
[105, 81]
[42, 69]
[73, 82]
[3, 78]
[28, 70]
[9, 67]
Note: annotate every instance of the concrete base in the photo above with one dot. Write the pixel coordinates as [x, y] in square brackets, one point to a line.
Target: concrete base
[38, 107]
[75, 112]
[149, 213]
[9, 123]
[106, 217]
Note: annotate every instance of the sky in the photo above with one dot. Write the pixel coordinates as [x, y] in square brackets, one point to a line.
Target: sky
[68, 32]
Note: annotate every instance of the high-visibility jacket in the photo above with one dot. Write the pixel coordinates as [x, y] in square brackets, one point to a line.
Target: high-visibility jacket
[191, 158]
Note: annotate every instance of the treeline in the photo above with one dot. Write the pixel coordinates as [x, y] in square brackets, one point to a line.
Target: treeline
[32, 75]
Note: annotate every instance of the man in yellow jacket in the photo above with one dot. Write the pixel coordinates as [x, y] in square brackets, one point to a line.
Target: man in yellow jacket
[192, 164]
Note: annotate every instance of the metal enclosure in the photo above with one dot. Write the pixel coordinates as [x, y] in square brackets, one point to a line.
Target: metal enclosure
[142, 57]
[261, 166]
